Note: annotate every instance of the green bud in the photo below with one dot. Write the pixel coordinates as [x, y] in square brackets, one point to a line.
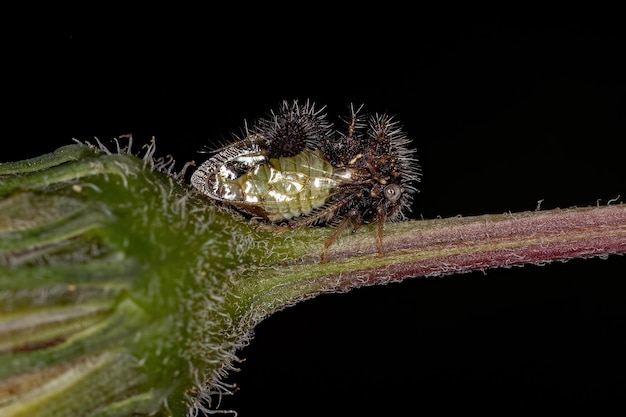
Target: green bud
[116, 283]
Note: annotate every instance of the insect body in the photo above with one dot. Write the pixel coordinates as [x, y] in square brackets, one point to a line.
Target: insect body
[274, 189]
[291, 169]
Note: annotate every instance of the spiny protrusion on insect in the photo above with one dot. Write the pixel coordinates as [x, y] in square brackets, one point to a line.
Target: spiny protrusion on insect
[293, 170]
[293, 128]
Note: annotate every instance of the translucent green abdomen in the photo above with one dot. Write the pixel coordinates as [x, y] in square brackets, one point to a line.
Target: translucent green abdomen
[285, 188]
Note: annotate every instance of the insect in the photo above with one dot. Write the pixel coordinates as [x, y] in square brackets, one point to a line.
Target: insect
[291, 169]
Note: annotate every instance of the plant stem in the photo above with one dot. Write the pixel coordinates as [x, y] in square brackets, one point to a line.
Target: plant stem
[442, 247]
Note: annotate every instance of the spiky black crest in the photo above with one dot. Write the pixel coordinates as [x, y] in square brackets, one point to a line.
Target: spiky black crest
[396, 162]
[293, 128]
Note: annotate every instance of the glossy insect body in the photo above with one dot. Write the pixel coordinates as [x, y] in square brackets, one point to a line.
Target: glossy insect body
[293, 170]
[273, 189]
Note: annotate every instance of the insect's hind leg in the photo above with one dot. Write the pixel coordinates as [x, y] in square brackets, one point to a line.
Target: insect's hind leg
[345, 222]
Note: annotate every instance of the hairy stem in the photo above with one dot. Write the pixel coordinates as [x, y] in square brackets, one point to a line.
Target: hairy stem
[444, 247]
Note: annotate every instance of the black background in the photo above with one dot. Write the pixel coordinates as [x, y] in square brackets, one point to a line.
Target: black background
[505, 109]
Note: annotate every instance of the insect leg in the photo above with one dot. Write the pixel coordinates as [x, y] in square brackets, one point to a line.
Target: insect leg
[323, 214]
[345, 222]
[380, 219]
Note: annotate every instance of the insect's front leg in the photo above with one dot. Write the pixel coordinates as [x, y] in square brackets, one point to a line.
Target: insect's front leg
[380, 220]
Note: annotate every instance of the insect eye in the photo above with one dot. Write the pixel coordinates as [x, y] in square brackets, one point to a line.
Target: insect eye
[393, 192]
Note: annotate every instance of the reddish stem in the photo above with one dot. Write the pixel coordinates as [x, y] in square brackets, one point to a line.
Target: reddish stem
[450, 246]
